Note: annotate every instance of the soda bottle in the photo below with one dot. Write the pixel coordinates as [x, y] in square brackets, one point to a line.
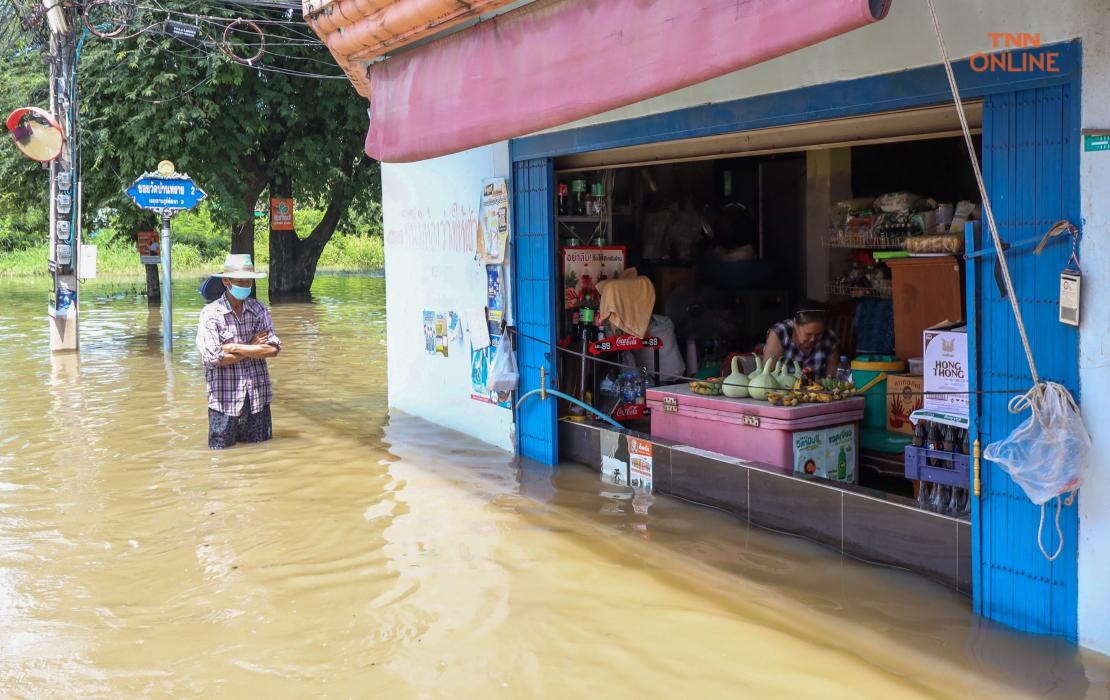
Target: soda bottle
[564, 198]
[948, 439]
[934, 441]
[919, 434]
[966, 442]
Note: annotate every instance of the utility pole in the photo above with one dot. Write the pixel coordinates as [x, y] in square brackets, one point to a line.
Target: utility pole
[65, 181]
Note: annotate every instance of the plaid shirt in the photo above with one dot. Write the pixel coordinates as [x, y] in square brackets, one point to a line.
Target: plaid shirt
[229, 386]
[818, 358]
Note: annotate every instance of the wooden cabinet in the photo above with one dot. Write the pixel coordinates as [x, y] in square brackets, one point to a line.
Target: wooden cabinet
[926, 291]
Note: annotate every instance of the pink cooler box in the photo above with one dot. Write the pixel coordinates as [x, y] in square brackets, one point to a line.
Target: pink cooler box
[744, 428]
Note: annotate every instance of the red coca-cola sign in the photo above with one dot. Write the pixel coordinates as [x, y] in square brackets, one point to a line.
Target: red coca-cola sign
[628, 411]
[617, 343]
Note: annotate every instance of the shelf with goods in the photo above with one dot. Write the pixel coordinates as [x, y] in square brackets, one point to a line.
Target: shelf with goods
[859, 292]
[864, 240]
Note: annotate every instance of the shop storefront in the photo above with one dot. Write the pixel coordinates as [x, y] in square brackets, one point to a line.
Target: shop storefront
[837, 175]
[805, 173]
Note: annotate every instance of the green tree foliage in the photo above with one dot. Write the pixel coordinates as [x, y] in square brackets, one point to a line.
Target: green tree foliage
[230, 126]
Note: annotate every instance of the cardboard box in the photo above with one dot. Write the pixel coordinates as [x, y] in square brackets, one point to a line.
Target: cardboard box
[946, 368]
[904, 395]
[821, 452]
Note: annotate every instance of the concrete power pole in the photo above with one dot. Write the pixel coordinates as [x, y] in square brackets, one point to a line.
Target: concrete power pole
[65, 181]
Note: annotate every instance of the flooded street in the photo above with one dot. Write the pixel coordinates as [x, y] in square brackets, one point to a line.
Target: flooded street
[363, 555]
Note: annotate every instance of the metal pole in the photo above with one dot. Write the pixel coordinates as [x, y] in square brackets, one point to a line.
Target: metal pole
[167, 304]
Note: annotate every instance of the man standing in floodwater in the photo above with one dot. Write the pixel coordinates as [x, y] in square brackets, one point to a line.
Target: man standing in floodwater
[235, 337]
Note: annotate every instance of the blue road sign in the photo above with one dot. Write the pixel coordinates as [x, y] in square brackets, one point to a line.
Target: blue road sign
[160, 194]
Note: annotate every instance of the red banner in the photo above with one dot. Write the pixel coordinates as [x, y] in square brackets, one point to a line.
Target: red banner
[617, 343]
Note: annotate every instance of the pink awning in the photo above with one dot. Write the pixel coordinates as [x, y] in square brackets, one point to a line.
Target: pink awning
[552, 62]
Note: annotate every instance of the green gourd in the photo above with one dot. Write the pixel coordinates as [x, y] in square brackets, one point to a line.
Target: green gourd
[735, 385]
[799, 375]
[758, 369]
[764, 382]
[784, 377]
[780, 373]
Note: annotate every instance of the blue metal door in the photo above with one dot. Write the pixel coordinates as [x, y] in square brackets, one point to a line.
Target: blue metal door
[1030, 163]
[534, 307]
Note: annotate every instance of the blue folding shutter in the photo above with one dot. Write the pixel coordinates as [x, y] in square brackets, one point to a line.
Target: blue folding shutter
[1030, 162]
[534, 310]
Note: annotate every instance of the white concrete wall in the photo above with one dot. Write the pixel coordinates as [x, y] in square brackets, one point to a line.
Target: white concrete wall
[431, 216]
[1094, 343]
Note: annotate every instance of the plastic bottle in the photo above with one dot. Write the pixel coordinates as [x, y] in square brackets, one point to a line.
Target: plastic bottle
[645, 383]
[844, 371]
[578, 196]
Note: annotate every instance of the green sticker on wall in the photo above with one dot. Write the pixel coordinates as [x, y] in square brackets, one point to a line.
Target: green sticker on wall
[1096, 142]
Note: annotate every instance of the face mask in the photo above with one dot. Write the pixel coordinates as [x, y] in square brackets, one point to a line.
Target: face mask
[240, 293]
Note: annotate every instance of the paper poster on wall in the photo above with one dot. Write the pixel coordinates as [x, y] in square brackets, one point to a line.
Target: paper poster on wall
[149, 250]
[585, 266]
[495, 297]
[639, 463]
[442, 324]
[479, 330]
[480, 359]
[614, 458]
[614, 471]
[429, 332]
[454, 329]
[493, 221]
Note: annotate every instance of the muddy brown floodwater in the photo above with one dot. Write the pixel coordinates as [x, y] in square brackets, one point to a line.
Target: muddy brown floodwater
[360, 554]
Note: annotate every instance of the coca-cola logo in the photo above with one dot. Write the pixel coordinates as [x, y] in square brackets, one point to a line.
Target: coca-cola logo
[627, 341]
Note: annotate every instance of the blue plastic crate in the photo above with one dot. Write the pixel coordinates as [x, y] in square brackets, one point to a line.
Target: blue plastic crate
[956, 469]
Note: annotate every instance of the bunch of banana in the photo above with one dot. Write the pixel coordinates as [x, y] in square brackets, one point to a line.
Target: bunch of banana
[791, 398]
[708, 387]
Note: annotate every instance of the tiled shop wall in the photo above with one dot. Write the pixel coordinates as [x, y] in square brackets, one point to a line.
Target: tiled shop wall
[856, 524]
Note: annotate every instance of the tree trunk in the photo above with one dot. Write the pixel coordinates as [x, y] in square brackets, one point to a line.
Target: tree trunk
[285, 246]
[293, 260]
[153, 286]
[242, 236]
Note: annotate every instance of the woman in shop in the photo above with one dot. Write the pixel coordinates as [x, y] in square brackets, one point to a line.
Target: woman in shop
[805, 339]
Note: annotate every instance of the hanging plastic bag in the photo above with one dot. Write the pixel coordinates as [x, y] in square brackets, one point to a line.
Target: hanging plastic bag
[503, 374]
[1049, 454]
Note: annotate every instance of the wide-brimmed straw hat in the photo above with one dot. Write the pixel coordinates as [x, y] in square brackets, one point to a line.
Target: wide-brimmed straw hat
[239, 267]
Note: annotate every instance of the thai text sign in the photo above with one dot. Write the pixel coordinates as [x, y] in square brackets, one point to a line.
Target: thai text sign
[161, 194]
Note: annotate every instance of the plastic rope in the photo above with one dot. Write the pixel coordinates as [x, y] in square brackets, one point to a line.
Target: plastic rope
[988, 212]
[1059, 532]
